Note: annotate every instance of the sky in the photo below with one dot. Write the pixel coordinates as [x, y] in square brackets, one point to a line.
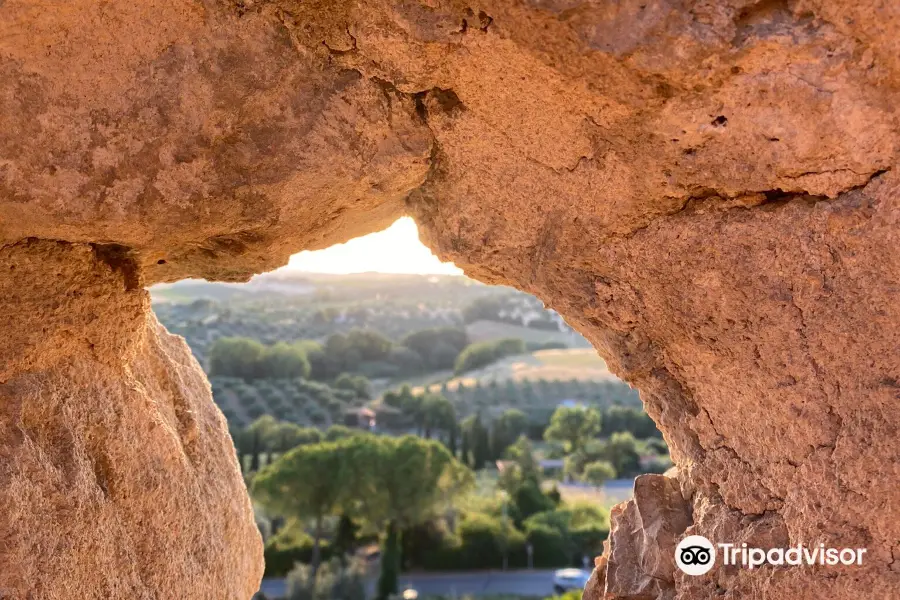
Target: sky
[396, 249]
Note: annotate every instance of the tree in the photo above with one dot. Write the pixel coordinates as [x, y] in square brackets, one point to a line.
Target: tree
[399, 483]
[307, 482]
[621, 451]
[339, 432]
[573, 426]
[439, 414]
[507, 429]
[597, 472]
[625, 418]
[235, 357]
[522, 452]
[283, 361]
[248, 359]
[481, 354]
[476, 440]
[438, 346]
[486, 308]
[259, 435]
[370, 345]
[399, 399]
[284, 436]
[358, 384]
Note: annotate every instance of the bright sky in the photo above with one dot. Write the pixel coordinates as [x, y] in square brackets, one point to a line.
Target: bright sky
[397, 249]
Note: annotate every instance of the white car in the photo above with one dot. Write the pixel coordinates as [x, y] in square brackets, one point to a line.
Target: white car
[570, 579]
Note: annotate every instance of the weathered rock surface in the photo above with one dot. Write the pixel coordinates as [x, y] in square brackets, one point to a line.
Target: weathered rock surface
[118, 478]
[706, 189]
[640, 561]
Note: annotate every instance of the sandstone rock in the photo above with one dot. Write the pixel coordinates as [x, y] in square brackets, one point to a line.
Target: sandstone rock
[706, 189]
[643, 533]
[118, 478]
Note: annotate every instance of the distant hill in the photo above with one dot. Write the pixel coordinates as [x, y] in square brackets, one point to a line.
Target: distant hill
[483, 331]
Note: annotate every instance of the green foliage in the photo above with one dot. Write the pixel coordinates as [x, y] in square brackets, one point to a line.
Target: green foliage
[402, 480]
[390, 564]
[512, 424]
[308, 482]
[333, 581]
[476, 440]
[570, 595]
[439, 415]
[281, 554]
[248, 359]
[528, 499]
[483, 309]
[573, 426]
[568, 531]
[621, 451]
[625, 418]
[438, 347]
[484, 540]
[481, 354]
[550, 547]
[357, 384]
[235, 357]
[597, 472]
[340, 432]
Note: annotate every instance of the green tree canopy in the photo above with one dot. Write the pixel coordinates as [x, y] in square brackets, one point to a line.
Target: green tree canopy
[235, 357]
[597, 472]
[358, 384]
[248, 359]
[622, 451]
[308, 482]
[439, 414]
[399, 483]
[573, 426]
[481, 354]
[512, 424]
[439, 346]
[626, 418]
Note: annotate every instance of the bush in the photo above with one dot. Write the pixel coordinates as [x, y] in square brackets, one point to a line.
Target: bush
[528, 499]
[438, 346]
[595, 473]
[479, 544]
[484, 538]
[482, 354]
[282, 555]
[248, 359]
[567, 532]
[333, 581]
[551, 549]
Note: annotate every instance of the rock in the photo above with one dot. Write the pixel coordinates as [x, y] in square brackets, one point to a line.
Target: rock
[706, 190]
[118, 478]
[640, 562]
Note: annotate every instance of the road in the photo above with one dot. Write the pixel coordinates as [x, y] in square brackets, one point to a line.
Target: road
[478, 583]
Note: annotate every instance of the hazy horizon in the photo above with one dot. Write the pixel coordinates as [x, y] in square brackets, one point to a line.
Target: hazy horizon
[395, 250]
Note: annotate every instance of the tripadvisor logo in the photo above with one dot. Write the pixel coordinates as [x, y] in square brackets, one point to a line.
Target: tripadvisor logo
[696, 555]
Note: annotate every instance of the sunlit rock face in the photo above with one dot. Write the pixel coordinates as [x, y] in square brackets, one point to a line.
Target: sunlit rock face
[118, 478]
[706, 190]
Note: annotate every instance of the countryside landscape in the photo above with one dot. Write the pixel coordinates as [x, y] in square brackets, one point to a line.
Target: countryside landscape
[392, 428]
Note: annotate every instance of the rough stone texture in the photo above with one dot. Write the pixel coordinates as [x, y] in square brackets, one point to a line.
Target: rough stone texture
[117, 474]
[706, 189]
[640, 561]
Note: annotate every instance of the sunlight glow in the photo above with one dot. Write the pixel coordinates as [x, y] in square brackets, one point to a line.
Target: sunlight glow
[397, 249]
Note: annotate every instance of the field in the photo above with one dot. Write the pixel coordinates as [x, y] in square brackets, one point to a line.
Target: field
[608, 495]
[295, 400]
[574, 364]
